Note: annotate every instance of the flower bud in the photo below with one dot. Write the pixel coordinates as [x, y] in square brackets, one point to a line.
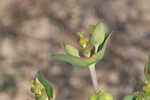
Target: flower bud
[83, 42]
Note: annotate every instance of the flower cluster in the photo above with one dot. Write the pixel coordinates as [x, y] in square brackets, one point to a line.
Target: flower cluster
[92, 49]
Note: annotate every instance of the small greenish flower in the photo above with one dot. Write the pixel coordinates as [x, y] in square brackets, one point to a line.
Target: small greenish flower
[36, 86]
[42, 89]
[38, 89]
[83, 42]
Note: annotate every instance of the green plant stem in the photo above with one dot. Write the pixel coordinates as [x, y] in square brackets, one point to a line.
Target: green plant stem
[93, 76]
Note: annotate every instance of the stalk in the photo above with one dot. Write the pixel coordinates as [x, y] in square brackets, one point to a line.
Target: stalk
[93, 72]
[93, 76]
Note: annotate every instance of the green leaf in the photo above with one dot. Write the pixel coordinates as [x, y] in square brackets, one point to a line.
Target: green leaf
[85, 61]
[98, 35]
[147, 70]
[70, 50]
[46, 85]
[131, 97]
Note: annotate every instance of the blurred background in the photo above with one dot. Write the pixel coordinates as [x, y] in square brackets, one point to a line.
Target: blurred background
[33, 30]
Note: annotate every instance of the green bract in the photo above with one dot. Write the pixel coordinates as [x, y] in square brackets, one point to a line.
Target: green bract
[85, 61]
[98, 35]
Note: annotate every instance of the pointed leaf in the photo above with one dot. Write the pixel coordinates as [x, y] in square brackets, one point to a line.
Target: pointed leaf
[98, 35]
[86, 61]
[46, 85]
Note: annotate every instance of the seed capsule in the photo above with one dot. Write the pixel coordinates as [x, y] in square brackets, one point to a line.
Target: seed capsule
[70, 50]
[105, 96]
[93, 96]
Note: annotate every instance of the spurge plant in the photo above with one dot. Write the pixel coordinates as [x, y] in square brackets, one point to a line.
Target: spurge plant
[91, 51]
